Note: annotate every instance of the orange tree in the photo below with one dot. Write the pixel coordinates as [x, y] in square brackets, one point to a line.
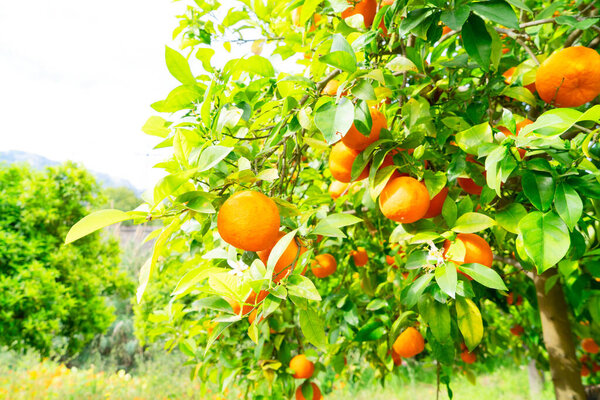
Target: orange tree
[404, 185]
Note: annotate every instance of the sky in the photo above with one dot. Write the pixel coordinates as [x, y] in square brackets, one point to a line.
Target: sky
[77, 79]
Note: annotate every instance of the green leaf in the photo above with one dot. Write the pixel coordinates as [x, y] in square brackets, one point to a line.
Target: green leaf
[155, 126]
[455, 19]
[510, 216]
[414, 19]
[364, 90]
[539, 189]
[313, 328]
[546, 239]
[471, 139]
[484, 275]
[401, 64]
[568, 204]
[520, 4]
[169, 184]
[437, 316]
[450, 211]
[446, 278]
[281, 246]
[205, 55]
[194, 277]
[520, 93]
[340, 220]
[498, 11]
[211, 156]
[94, 221]
[178, 67]
[341, 55]
[473, 222]
[143, 279]
[334, 120]
[373, 330]
[434, 181]
[257, 65]
[477, 41]
[301, 286]
[469, 322]
[416, 289]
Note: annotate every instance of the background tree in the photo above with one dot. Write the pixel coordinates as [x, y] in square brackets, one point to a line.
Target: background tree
[52, 297]
[422, 145]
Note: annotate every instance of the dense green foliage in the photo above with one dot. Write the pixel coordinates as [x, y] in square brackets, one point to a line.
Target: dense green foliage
[247, 123]
[52, 297]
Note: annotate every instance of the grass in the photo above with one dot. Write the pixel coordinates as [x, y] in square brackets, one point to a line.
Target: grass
[25, 377]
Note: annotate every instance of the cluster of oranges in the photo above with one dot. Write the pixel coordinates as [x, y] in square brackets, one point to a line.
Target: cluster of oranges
[589, 366]
[303, 369]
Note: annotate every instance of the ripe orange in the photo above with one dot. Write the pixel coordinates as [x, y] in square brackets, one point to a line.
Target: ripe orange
[436, 204]
[302, 367]
[468, 358]
[585, 371]
[367, 8]
[477, 250]
[510, 299]
[409, 343]
[390, 260]
[250, 301]
[570, 77]
[446, 30]
[404, 199]
[469, 186]
[336, 188]
[252, 317]
[589, 345]
[356, 140]
[341, 159]
[595, 367]
[239, 226]
[360, 256]
[382, 23]
[331, 87]
[315, 389]
[517, 330]
[508, 79]
[285, 263]
[324, 265]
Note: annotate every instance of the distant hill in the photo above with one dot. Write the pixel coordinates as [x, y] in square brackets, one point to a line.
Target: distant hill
[39, 162]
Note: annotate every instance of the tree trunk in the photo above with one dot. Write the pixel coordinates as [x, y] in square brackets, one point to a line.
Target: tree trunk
[536, 381]
[558, 339]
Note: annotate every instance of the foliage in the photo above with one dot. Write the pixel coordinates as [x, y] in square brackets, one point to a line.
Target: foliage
[45, 286]
[246, 124]
[121, 198]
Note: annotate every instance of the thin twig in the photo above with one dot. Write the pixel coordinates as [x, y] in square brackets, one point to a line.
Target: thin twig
[535, 23]
[514, 263]
[322, 84]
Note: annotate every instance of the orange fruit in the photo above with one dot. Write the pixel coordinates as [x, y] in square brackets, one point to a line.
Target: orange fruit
[302, 367]
[239, 226]
[570, 77]
[336, 188]
[404, 199]
[468, 358]
[510, 299]
[446, 30]
[324, 265]
[331, 87]
[585, 371]
[517, 330]
[436, 204]
[390, 260]
[367, 8]
[595, 367]
[341, 159]
[360, 256]
[477, 250]
[286, 261]
[251, 301]
[469, 186]
[382, 23]
[396, 358]
[315, 389]
[356, 140]
[409, 343]
[589, 345]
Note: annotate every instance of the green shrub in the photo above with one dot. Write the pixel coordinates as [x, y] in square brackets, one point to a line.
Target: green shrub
[53, 297]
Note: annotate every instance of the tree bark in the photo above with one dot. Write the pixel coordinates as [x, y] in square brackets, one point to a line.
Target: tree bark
[558, 339]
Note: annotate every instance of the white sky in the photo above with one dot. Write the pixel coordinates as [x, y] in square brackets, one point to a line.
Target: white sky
[77, 78]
